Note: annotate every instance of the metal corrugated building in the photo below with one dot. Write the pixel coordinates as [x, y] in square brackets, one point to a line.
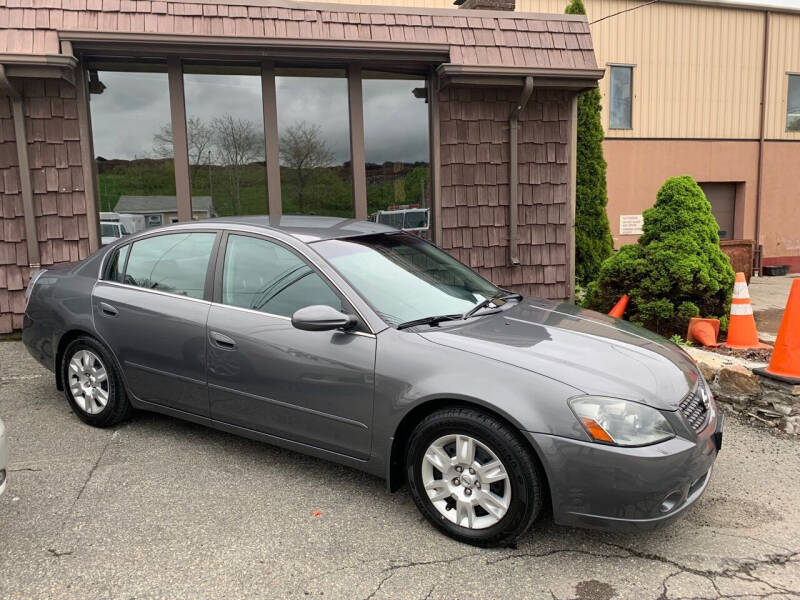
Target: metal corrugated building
[702, 70]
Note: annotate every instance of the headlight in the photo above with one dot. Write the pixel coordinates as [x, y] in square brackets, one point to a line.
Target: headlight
[621, 422]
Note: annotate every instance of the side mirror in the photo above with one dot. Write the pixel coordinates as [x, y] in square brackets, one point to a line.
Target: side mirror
[322, 318]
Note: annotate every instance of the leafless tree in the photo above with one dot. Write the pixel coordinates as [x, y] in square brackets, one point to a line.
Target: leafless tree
[303, 150]
[200, 138]
[238, 143]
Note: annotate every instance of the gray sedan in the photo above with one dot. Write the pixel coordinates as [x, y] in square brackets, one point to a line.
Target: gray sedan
[357, 343]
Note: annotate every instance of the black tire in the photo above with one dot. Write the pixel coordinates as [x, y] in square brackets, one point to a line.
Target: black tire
[524, 472]
[117, 408]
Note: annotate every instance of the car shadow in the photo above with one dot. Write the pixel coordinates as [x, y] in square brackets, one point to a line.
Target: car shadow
[312, 471]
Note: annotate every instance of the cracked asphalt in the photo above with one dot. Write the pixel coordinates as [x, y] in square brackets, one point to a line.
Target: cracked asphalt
[159, 508]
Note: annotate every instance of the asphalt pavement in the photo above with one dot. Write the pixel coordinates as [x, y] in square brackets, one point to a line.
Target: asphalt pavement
[159, 508]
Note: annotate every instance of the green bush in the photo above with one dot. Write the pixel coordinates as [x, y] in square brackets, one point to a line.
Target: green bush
[593, 242]
[676, 269]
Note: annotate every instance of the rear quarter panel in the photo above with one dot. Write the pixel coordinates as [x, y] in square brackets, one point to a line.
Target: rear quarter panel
[60, 302]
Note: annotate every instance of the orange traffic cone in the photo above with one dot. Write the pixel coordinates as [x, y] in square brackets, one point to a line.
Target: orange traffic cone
[742, 333]
[704, 331]
[619, 307]
[785, 362]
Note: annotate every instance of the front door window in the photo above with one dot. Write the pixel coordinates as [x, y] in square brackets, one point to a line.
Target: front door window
[266, 276]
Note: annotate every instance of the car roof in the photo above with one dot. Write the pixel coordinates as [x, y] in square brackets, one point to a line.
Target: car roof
[305, 228]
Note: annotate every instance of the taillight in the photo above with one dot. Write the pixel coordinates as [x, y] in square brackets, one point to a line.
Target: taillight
[34, 278]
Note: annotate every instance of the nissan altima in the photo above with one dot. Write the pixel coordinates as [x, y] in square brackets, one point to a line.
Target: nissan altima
[357, 343]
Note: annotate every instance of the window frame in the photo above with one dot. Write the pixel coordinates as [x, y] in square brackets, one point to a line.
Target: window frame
[208, 285]
[611, 67]
[362, 327]
[789, 75]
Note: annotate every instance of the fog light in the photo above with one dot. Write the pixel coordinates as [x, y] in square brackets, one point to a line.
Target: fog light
[670, 502]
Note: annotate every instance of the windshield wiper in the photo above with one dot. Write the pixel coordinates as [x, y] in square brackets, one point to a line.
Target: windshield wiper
[434, 320]
[506, 295]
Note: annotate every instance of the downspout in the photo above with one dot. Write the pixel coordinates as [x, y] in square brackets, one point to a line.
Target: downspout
[761, 133]
[18, 114]
[513, 201]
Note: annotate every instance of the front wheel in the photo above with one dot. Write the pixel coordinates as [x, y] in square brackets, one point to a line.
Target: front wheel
[473, 477]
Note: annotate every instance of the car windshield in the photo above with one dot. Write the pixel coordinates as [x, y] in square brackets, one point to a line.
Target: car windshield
[109, 229]
[404, 278]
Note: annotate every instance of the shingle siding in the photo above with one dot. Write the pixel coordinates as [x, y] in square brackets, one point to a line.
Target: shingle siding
[518, 39]
[473, 124]
[58, 194]
[475, 186]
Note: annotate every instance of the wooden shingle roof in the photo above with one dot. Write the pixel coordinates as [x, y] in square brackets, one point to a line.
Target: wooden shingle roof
[474, 38]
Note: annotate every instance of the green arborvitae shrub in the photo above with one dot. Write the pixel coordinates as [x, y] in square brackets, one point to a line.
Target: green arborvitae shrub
[593, 242]
[676, 269]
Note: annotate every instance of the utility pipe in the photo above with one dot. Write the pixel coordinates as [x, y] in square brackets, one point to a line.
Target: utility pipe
[761, 134]
[513, 201]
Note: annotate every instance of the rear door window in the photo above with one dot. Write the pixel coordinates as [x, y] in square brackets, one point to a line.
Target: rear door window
[176, 263]
[265, 276]
[117, 264]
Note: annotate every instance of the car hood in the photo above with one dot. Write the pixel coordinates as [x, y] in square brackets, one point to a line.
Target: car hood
[584, 349]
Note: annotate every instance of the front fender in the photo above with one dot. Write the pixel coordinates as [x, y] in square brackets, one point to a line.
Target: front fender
[411, 371]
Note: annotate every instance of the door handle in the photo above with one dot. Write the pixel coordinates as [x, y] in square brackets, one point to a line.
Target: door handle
[108, 310]
[222, 341]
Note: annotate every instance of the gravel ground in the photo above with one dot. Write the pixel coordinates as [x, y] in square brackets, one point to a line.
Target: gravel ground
[159, 508]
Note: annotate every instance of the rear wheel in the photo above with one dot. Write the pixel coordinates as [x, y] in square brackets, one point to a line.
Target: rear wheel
[92, 384]
[473, 477]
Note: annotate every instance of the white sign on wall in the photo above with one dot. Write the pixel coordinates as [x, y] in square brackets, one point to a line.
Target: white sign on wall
[630, 224]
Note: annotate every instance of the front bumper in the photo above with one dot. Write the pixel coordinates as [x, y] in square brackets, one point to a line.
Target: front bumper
[608, 487]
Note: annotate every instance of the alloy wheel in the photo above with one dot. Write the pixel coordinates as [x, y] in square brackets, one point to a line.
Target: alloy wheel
[88, 381]
[466, 482]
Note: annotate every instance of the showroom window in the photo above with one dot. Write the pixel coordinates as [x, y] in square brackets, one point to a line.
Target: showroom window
[397, 150]
[225, 139]
[314, 141]
[130, 107]
[190, 138]
[621, 102]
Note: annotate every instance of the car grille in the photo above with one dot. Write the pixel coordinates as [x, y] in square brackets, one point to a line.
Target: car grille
[694, 409]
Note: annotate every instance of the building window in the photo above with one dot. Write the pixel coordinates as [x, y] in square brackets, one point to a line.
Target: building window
[397, 150]
[722, 197]
[235, 140]
[793, 104]
[621, 97]
[135, 171]
[314, 141]
[225, 135]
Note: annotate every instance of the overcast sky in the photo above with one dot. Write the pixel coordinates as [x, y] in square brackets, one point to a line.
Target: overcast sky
[134, 107]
